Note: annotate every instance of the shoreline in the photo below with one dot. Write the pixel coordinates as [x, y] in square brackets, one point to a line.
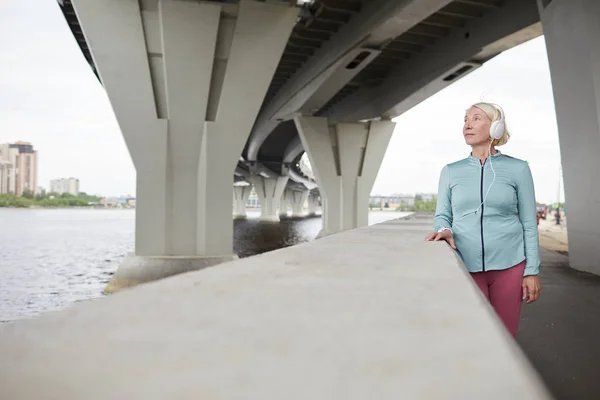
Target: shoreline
[36, 207]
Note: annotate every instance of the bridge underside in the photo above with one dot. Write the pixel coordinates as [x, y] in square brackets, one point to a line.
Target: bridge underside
[360, 60]
[211, 92]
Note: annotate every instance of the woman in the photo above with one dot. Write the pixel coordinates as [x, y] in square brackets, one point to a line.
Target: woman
[486, 210]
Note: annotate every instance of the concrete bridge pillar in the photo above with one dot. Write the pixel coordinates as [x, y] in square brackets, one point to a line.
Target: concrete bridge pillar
[572, 33]
[269, 191]
[297, 198]
[185, 80]
[313, 204]
[284, 204]
[345, 157]
[240, 198]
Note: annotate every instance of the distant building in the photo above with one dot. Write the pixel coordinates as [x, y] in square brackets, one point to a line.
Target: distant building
[119, 202]
[65, 185]
[405, 200]
[8, 180]
[253, 199]
[8, 169]
[393, 201]
[426, 196]
[18, 168]
[109, 201]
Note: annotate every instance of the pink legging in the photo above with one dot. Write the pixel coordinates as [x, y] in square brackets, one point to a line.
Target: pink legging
[504, 291]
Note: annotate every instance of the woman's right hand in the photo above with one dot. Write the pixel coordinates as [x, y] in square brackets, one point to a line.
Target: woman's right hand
[445, 235]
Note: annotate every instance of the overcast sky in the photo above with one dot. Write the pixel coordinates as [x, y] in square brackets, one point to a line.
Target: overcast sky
[50, 97]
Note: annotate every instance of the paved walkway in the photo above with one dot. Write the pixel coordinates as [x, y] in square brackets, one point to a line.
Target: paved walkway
[554, 237]
[560, 333]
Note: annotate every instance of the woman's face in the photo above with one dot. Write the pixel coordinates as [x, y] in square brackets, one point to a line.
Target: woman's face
[476, 129]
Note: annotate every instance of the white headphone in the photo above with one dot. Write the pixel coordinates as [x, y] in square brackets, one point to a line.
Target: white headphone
[497, 127]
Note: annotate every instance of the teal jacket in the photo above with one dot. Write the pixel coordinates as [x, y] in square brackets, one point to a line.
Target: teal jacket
[501, 233]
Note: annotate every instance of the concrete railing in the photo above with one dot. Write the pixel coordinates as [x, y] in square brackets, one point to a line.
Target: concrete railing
[370, 313]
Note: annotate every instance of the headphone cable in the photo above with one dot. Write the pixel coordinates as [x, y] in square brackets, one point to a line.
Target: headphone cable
[493, 179]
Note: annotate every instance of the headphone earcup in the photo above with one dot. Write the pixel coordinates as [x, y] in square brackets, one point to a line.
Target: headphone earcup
[497, 129]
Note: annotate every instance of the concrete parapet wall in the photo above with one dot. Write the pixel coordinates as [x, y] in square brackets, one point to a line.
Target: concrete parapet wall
[374, 312]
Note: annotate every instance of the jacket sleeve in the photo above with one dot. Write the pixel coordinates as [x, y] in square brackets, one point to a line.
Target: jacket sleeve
[528, 216]
[443, 211]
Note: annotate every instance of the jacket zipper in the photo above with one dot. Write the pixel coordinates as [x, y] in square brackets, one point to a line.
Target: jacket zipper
[481, 218]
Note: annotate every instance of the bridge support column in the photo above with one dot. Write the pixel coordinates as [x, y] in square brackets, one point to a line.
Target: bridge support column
[270, 192]
[572, 33]
[345, 158]
[298, 198]
[284, 204]
[313, 204]
[240, 198]
[176, 73]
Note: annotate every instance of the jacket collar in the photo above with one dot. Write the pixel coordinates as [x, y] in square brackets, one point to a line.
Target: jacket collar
[475, 159]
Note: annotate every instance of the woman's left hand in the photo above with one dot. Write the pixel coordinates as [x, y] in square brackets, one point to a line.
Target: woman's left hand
[532, 285]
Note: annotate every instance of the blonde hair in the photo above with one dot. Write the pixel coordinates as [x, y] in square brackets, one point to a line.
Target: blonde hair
[494, 114]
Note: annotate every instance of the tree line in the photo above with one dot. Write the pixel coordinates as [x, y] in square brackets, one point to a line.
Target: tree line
[43, 199]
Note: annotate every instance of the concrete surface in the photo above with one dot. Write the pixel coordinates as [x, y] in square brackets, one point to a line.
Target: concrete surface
[135, 270]
[560, 332]
[269, 192]
[185, 80]
[345, 158]
[240, 199]
[375, 312]
[571, 32]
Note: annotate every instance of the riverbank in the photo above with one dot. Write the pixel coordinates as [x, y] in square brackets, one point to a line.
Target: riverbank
[60, 207]
[48, 201]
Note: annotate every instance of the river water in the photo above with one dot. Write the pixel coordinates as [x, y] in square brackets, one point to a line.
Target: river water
[52, 258]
